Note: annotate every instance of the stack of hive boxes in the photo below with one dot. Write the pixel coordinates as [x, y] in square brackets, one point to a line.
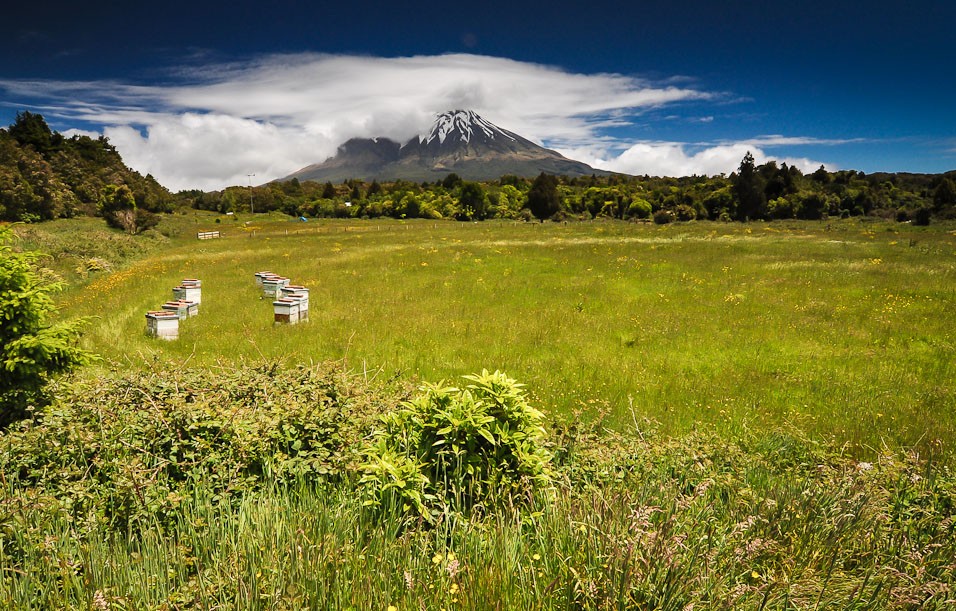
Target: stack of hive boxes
[290, 301]
[164, 323]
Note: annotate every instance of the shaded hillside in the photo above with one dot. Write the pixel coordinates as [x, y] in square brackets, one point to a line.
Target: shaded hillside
[45, 175]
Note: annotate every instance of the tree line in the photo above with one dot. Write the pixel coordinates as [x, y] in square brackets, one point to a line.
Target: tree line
[753, 192]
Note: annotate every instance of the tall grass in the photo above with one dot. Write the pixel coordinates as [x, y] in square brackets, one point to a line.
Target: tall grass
[846, 329]
[697, 523]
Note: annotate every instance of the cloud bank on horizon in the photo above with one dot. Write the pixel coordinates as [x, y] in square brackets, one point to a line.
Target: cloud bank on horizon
[211, 126]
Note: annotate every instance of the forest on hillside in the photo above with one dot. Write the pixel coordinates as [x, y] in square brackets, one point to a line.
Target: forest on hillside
[44, 175]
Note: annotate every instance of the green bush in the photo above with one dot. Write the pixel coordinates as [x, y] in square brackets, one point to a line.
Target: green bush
[663, 216]
[127, 451]
[685, 213]
[922, 215]
[640, 208]
[31, 349]
[458, 450]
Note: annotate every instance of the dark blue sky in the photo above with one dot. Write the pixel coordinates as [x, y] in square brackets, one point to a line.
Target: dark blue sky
[869, 86]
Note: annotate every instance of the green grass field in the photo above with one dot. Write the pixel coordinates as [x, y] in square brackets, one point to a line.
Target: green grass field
[770, 413]
[843, 330]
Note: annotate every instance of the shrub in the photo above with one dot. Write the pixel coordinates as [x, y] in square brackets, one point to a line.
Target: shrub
[31, 349]
[127, 451]
[685, 213]
[663, 216]
[453, 450]
[922, 215]
[781, 208]
[639, 208]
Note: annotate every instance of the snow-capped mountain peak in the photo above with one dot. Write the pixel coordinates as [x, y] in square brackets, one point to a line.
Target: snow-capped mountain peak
[459, 142]
[462, 125]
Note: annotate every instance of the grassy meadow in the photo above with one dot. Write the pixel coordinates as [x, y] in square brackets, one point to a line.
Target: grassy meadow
[735, 416]
[843, 330]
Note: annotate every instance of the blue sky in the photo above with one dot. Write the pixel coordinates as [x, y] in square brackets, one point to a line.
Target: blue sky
[202, 94]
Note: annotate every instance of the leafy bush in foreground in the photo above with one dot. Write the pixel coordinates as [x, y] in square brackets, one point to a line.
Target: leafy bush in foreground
[128, 451]
[156, 492]
[454, 450]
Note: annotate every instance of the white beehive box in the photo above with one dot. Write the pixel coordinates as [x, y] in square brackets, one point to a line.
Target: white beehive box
[188, 293]
[183, 307]
[162, 324]
[179, 307]
[260, 276]
[286, 310]
[189, 289]
[302, 295]
[272, 285]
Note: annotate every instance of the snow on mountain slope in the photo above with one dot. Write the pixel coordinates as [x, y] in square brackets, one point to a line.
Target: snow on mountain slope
[464, 124]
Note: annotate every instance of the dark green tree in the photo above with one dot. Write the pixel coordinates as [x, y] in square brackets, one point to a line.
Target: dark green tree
[451, 181]
[813, 206]
[118, 206]
[472, 201]
[544, 201]
[748, 191]
[778, 182]
[821, 175]
[292, 187]
[31, 130]
[31, 349]
[922, 215]
[329, 191]
[944, 195]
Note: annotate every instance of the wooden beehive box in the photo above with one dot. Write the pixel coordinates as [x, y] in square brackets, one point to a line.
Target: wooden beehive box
[163, 324]
[286, 310]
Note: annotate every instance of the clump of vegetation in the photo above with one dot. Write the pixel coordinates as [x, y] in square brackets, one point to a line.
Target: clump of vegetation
[45, 175]
[458, 450]
[128, 451]
[32, 350]
[118, 206]
[762, 520]
[662, 217]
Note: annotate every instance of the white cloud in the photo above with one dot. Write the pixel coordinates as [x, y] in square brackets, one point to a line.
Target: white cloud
[778, 140]
[675, 158]
[212, 125]
[209, 151]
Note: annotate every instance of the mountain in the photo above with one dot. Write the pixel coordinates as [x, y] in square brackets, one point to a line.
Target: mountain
[459, 141]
